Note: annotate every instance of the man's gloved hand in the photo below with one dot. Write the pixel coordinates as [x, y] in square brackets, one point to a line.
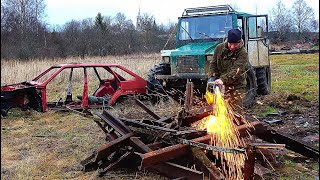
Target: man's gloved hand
[210, 83]
[218, 81]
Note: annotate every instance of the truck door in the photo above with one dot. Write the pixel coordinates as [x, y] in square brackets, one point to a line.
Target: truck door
[256, 30]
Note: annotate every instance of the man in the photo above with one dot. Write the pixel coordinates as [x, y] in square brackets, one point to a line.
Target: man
[228, 68]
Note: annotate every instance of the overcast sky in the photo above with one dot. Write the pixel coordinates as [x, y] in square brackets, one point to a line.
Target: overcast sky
[61, 11]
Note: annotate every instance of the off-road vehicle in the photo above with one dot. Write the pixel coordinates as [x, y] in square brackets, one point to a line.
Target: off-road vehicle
[199, 31]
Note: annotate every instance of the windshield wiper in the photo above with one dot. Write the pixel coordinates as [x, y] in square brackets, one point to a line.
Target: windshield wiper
[187, 32]
[204, 34]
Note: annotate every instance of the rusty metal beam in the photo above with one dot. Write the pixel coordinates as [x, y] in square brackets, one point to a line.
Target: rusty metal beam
[176, 171]
[174, 151]
[162, 155]
[103, 151]
[164, 119]
[293, 144]
[149, 111]
[147, 126]
[155, 145]
[251, 128]
[168, 169]
[168, 153]
[215, 174]
[188, 96]
[116, 124]
[248, 171]
[146, 121]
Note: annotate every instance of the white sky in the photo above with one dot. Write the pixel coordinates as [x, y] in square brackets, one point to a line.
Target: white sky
[61, 11]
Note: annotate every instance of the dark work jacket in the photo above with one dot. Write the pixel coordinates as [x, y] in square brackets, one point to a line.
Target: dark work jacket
[230, 66]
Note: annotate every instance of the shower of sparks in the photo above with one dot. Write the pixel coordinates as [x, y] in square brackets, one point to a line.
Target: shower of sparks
[223, 124]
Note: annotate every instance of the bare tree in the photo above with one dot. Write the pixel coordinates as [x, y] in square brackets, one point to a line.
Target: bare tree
[121, 22]
[303, 16]
[281, 21]
[22, 27]
[315, 25]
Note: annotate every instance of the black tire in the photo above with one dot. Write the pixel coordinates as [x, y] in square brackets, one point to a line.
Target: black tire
[159, 69]
[263, 80]
[251, 88]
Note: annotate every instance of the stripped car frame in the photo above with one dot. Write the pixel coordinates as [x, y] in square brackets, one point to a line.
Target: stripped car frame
[33, 94]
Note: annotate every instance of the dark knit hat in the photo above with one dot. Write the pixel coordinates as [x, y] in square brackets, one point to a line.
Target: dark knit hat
[234, 35]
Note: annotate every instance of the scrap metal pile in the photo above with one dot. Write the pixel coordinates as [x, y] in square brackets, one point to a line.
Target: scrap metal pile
[173, 148]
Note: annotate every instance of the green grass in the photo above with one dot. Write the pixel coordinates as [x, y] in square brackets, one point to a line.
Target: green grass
[268, 110]
[296, 74]
[295, 166]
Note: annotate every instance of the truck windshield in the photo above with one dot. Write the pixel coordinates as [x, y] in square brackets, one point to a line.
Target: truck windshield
[205, 27]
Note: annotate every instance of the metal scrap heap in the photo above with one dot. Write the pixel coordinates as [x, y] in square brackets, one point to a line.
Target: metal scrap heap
[171, 147]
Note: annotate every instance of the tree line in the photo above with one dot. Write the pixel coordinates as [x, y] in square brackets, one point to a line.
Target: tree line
[25, 34]
[293, 24]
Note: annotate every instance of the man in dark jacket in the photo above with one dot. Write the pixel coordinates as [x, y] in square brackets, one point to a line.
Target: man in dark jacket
[228, 68]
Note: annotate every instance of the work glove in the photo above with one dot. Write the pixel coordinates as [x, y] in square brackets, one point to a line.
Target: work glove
[218, 81]
[210, 83]
[211, 80]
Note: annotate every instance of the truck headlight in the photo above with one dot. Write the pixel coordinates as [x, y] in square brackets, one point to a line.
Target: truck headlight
[166, 59]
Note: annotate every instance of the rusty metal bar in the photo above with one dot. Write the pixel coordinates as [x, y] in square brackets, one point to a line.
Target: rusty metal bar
[168, 153]
[249, 164]
[147, 126]
[291, 143]
[192, 132]
[196, 115]
[103, 151]
[154, 115]
[139, 145]
[188, 96]
[268, 146]
[176, 171]
[168, 169]
[146, 121]
[177, 150]
[103, 170]
[154, 145]
[116, 124]
[162, 155]
[215, 174]
[111, 146]
[251, 128]
[164, 119]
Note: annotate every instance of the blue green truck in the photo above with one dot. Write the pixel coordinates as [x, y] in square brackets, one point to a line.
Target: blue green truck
[199, 31]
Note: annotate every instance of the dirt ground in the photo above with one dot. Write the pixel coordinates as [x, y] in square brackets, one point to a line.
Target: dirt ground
[297, 117]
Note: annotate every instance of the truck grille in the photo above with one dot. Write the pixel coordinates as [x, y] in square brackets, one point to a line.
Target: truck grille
[187, 64]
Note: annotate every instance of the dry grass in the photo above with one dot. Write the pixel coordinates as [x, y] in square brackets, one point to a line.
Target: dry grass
[13, 71]
[51, 145]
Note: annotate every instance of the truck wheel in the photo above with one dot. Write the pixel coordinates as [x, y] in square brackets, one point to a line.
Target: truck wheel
[159, 69]
[263, 80]
[251, 89]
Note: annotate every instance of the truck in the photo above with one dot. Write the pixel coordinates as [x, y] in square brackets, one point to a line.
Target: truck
[199, 30]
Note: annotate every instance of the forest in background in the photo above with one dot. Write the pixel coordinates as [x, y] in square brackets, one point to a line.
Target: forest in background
[25, 35]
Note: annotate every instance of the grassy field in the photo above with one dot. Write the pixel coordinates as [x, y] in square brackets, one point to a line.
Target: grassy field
[51, 145]
[296, 74]
[13, 71]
